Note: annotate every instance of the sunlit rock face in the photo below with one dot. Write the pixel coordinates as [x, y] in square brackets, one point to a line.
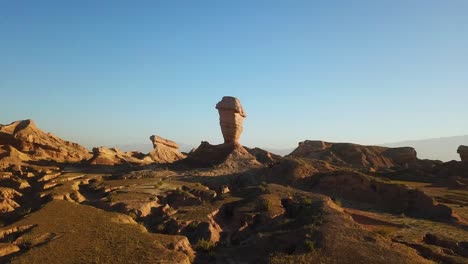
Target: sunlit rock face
[165, 150]
[231, 117]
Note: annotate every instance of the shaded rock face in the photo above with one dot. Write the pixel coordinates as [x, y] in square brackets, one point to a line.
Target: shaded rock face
[231, 117]
[394, 198]
[231, 155]
[354, 155]
[463, 151]
[263, 156]
[165, 151]
[402, 155]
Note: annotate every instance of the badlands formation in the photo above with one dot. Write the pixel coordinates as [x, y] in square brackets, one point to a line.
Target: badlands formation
[323, 203]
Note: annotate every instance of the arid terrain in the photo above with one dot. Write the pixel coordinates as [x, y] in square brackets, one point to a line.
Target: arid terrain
[323, 203]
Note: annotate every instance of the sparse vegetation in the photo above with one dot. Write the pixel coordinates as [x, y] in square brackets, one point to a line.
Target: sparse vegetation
[264, 205]
[206, 246]
[112, 197]
[309, 245]
[158, 184]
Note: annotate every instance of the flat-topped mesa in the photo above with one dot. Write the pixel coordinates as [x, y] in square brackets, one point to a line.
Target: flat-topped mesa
[231, 117]
[463, 151]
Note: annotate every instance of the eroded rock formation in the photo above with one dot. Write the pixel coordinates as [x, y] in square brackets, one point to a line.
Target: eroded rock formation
[403, 155]
[112, 157]
[354, 155]
[232, 155]
[165, 151]
[463, 151]
[23, 141]
[231, 117]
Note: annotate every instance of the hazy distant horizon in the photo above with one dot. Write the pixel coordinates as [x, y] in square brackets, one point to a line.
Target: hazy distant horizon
[444, 148]
[101, 72]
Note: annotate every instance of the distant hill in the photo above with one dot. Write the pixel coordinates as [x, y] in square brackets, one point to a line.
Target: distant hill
[444, 149]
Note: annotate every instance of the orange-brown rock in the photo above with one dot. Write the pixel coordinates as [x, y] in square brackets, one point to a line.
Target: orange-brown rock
[37, 145]
[165, 151]
[463, 151]
[231, 117]
[7, 200]
[28, 138]
[114, 156]
[7, 249]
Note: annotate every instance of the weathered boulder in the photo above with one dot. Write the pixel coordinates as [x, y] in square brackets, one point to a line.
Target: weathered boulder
[206, 230]
[463, 151]
[231, 117]
[165, 151]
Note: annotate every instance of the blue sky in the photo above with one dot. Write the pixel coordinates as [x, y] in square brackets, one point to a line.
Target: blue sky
[116, 72]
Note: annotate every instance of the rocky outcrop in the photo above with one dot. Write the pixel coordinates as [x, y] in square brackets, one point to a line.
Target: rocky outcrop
[354, 155]
[290, 170]
[8, 201]
[263, 156]
[7, 249]
[164, 150]
[231, 117]
[395, 198]
[403, 155]
[27, 138]
[231, 155]
[463, 151]
[114, 156]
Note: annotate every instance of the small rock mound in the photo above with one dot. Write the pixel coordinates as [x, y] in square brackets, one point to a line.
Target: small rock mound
[263, 156]
[290, 170]
[114, 156]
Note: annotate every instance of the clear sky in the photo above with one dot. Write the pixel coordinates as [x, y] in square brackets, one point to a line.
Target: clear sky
[116, 72]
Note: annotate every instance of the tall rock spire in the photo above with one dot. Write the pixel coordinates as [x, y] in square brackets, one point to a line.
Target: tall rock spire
[231, 117]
